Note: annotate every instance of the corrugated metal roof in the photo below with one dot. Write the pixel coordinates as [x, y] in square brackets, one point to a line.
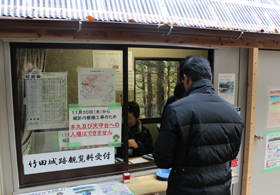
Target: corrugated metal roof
[243, 15]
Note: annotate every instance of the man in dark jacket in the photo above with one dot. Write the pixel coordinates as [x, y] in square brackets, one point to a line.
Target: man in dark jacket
[200, 135]
[178, 94]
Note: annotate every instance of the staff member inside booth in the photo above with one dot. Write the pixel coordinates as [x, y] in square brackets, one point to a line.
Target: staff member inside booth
[140, 140]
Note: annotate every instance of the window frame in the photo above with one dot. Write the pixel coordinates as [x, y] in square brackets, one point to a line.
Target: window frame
[90, 172]
[67, 175]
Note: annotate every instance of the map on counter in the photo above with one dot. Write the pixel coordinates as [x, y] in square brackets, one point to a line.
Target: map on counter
[96, 86]
[46, 100]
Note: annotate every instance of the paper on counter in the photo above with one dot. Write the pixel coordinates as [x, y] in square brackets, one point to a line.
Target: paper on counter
[58, 191]
[91, 189]
[138, 160]
[114, 188]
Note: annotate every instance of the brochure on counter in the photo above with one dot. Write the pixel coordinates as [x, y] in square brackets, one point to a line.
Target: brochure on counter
[114, 187]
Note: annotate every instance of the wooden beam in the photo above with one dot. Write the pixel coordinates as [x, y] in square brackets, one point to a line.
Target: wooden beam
[174, 39]
[11, 23]
[137, 37]
[37, 34]
[250, 121]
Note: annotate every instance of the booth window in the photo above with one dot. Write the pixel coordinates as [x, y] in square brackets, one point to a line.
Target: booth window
[68, 116]
[71, 106]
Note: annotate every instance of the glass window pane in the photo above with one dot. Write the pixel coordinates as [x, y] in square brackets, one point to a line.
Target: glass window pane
[155, 72]
[155, 81]
[70, 108]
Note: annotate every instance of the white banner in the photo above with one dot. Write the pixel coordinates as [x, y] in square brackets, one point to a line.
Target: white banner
[57, 161]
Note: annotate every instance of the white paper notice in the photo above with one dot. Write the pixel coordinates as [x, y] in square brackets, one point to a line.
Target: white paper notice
[226, 87]
[114, 60]
[46, 100]
[130, 64]
[108, 59]
[100, 59]
[58, 161]
[65, 145]
[95, 125]
[96, 86]
[272, 154]
[119, 81]
[129, 61]
[111, 59]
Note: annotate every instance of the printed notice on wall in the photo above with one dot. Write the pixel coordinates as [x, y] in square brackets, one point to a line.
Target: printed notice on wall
[63, 143]
[119, 81]
[46, 100]
[58, 161]
[226, 87]
[96, 86]
[95, 125]
[272, 154]
[111, 59]
[274, 108]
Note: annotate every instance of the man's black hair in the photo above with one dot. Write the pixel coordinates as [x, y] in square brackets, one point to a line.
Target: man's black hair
[179, 90]
[134, 108]
[196, 68]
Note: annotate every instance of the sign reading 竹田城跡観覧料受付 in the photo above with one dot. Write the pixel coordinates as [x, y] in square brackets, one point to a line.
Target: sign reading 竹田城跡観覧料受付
[57, 161]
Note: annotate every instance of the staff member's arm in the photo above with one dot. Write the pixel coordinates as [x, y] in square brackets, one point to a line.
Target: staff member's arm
[167, 140]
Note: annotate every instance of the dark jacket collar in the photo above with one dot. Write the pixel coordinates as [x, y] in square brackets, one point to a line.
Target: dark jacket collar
[138, 126]
[203, 85]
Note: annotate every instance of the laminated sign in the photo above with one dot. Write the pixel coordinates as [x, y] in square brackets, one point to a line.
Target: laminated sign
[46, 100]
[95, 125]
[57, 161]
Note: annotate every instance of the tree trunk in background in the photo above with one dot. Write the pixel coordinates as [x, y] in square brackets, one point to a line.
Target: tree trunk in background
[143, 89]
[149, 91]
[160, 91]
[167, 78]
[178, 73]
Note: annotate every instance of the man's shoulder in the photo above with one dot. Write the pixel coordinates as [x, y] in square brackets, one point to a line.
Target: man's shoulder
[193, 100]
[186, 101]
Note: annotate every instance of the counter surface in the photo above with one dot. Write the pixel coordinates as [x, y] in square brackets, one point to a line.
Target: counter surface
[148, 184]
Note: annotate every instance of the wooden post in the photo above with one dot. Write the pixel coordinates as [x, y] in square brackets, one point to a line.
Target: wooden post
[250, 121]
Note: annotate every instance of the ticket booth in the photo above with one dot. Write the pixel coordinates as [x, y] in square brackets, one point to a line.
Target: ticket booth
[66, 86]
[70, 106]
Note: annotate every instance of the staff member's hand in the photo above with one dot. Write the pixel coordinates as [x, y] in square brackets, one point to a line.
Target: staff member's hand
[132, 143]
